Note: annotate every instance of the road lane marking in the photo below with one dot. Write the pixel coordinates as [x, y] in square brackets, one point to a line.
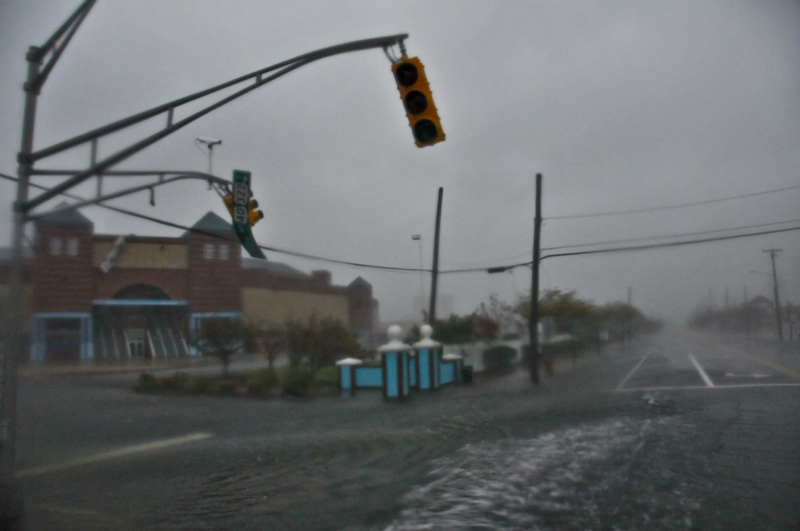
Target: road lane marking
[703, 374]
[715, 388]
[631, 373]
[774, 365]
[113, 454]
[754, 375]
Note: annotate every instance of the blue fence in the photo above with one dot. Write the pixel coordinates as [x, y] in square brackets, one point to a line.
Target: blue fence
[401, 372]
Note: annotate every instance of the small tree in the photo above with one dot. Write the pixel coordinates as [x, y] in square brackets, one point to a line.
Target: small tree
[455, 330]
[223, 338]
[271, 341]
[319, 342]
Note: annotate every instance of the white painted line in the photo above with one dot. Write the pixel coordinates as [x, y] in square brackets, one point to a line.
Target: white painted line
[715, 388]
[631, 373]
[703, 374]
[113, 454]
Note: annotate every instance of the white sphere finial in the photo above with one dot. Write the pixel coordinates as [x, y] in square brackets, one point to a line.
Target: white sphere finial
[395, 332]
[426, 331]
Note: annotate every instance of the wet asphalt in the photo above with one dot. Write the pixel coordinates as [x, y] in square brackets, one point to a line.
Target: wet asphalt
[676, 432]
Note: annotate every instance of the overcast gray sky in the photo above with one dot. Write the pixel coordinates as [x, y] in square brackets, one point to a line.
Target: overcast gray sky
[619, 104]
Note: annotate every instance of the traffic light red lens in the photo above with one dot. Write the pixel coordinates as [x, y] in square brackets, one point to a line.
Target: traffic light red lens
[425, 131]
[406, 74]
[416, 102]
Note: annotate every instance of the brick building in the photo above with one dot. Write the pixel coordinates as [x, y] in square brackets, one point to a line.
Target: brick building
[90, 296]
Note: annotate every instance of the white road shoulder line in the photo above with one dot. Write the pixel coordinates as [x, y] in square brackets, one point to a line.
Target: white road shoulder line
[619, 387]
[703, 374]
[113, 454]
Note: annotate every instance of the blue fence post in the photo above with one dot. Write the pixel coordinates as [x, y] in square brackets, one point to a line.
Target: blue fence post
[396, 366]
[427, 351]
[450, 367]
[347, 375]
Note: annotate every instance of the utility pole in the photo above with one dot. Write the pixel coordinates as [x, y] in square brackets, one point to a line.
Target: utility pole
[746, 311]
[533, 322]
[772, 253]
[418, 238]
[435, 272]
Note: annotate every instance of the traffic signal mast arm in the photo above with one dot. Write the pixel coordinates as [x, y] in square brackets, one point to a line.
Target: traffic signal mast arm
[98, 167]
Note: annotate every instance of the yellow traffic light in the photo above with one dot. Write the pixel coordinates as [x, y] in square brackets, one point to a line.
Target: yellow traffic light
[228, 200]
[255, 215]
[418, 101]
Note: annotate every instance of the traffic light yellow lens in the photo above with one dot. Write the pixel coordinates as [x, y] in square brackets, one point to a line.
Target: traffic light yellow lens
[406, 74]
[416, 102]
[425, 131]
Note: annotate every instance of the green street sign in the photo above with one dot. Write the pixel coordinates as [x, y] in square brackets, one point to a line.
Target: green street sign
[241, 213]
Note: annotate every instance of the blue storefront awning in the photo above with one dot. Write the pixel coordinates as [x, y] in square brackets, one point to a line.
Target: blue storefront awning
[137, 302]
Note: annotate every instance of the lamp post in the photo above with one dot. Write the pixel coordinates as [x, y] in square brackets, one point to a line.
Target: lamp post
[209, 143]
[418, 238]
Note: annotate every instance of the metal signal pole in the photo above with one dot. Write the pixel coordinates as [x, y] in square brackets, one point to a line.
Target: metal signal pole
[41, 61]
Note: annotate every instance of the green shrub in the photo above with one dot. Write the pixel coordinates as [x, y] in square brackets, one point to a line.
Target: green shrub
[148, 381]
[268, 379]
[499, 357]
[327, 375]
[181, 380]
[199, 384]
[228, 387]
[254, 387]
[297, 380]
[168, 382]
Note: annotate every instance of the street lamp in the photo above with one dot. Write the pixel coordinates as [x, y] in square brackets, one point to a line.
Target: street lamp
[209, 143]
[418, 238]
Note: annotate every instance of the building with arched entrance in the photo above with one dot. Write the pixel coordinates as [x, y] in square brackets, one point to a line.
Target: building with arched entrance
[111, 297]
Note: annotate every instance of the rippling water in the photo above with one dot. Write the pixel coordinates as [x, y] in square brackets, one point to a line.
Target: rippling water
[622, 474]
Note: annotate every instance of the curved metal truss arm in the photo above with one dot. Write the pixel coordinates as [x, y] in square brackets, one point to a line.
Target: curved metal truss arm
[183, 176]
[282, 68]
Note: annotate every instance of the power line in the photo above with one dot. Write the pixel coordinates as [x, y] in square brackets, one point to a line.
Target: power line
[664, 236]
[166, 223]
[624, 249]
[669, 207]
[626, 240]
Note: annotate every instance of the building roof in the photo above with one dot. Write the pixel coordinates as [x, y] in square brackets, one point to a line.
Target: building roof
[214, 224]
[359, 282]
[70, 218]
[273, 267]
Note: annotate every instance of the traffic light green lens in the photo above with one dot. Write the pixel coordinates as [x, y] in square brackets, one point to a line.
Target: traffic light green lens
[416, 102]
[406, 74]
[425, 131]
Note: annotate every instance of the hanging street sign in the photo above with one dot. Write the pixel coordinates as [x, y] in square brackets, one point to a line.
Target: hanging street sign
[241, 213]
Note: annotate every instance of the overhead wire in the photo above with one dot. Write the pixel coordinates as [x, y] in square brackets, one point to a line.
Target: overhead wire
[620, 249]
[665, 236]
[450, 271]
[222, 237]
[670, 207]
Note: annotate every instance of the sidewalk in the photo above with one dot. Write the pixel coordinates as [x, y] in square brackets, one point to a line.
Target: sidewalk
[122, 366]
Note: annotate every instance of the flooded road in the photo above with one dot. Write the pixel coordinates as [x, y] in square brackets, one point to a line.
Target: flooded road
[634, 440]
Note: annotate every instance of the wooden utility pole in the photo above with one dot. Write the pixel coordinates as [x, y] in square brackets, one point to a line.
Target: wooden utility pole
[772, 253]
[533, 322]
[435, 271]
